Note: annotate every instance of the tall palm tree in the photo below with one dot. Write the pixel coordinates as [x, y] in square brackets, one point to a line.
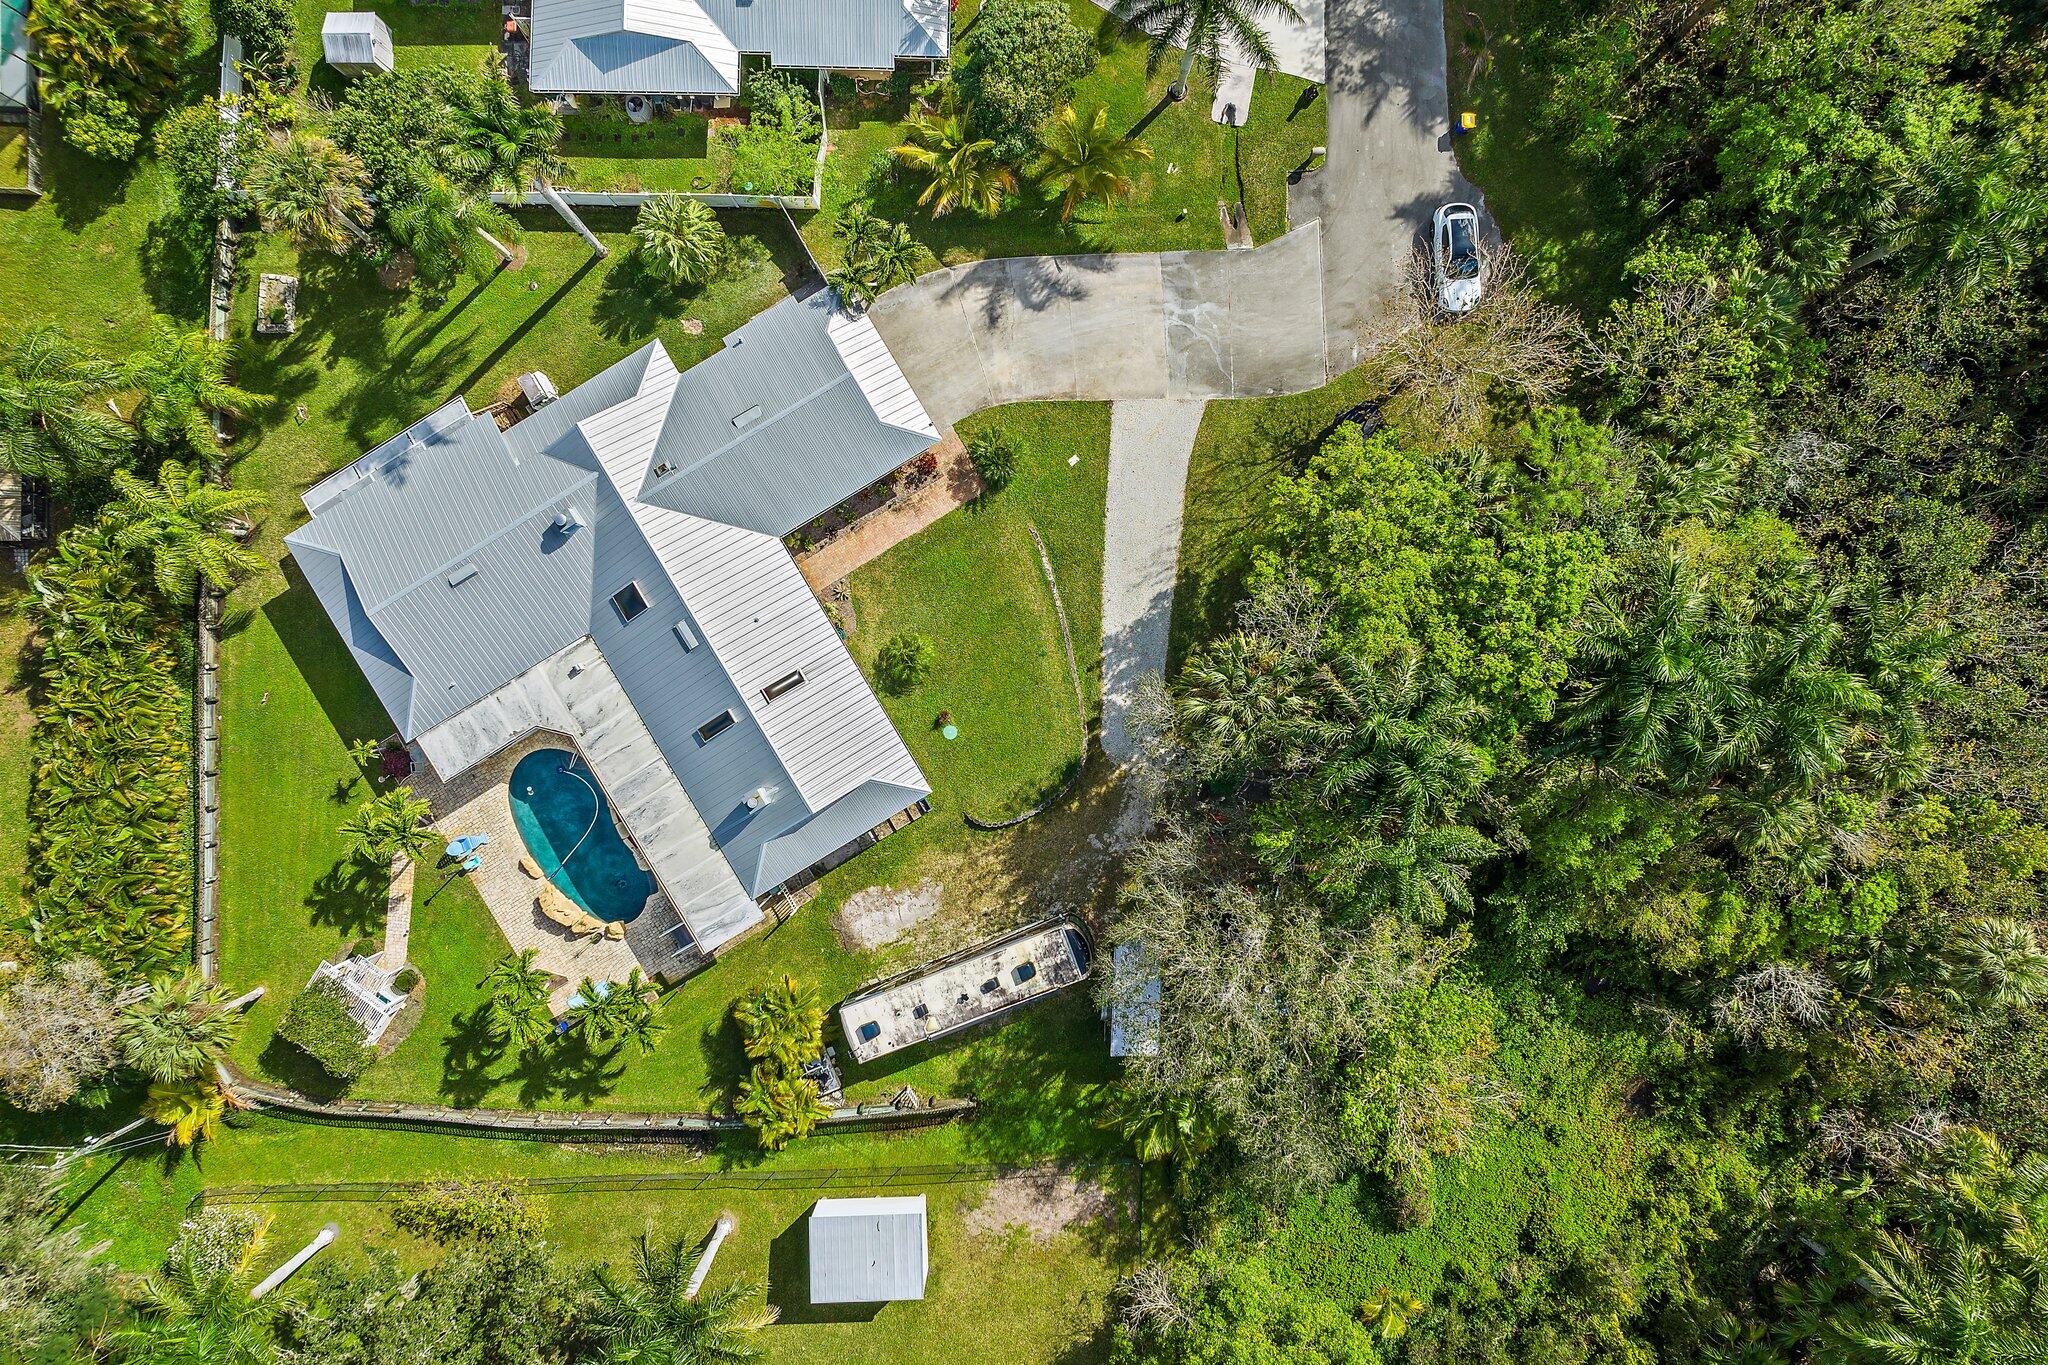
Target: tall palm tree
[187, 525]
[680, 240]
[389, 824]
[1201, 28]
[54, 423]
[619, 1011]
[305, 186]
[190, 1108]
[450, 231]
[196, 1312]
[183, 379]
[502, 144]
[652, 1318]
[516, 1012]
[1085, 159]
[960, 169]
[179, 1029]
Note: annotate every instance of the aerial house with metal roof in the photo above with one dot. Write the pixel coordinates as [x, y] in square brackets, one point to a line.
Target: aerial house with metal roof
[696, 48]
[610, 570]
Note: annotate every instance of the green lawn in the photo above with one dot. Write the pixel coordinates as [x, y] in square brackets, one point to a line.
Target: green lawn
[1574, 224]
[608, 151]
[14, 143]
[16, 720]
[460, 33]
[1173, 206]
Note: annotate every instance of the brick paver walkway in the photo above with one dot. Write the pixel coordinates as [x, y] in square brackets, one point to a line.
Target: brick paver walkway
[955, 486]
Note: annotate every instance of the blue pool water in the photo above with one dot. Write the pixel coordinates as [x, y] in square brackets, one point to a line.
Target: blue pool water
[567, 826]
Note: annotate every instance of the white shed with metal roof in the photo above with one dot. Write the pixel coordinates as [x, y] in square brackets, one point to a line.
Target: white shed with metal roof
[872, 1250]
[356, 42]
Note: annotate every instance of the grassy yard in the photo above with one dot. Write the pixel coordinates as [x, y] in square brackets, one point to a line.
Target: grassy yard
[14, 143]
[1195, 163]
[16, 720]
[606, 150]
[455, 33]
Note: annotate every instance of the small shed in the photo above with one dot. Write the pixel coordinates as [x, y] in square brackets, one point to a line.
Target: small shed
[356, 42]
[868, 1250]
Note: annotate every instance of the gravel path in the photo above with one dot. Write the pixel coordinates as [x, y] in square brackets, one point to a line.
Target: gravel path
[1149, 444]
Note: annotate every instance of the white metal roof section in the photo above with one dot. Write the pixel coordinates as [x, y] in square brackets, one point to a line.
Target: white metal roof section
[841, 35]
[649, 47]
[881, 380]
[868, 1250]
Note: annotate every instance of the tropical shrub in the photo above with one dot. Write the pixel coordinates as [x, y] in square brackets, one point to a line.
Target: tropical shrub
[395, 122]
[776, 150]
[110, 783]
[448, 1211]
[190, 1108]
[1023, 57]
[189, 146]
[101, 124]
[904, 660]
[318, 1024]
[269, 35]
[994, 455]
[781, 1107]
[106, 65]
[680, 240]
[960, 169]
[405, 981]
[875, 255]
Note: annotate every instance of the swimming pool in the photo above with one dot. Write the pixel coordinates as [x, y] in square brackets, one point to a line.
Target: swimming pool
[567, 826]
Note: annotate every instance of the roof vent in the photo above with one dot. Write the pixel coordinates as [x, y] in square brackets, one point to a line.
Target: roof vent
[747, 418]
[566, 521]
[462, 574]
[664, 469]
[759, 797]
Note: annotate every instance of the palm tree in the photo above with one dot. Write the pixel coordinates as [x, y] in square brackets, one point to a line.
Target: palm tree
[680, 239]
[652, 1317]
[196, 1311]
[1085, 160]
[389, 825]
[781, 1105]
[1963, 212]
[183, 379]
[1389, 1313]
[179, 1029]
[307, 187]
[505, 145]
[783, 1023]
[1994, 964]
[618, 1011]
[187, 525]
[190, 1108]
[54, 423]
[1244, 704]
[450, 231]
[516, 1014]
[960, 169]
[1949, 1302]
[879, 257]
[1163, 1127]
[1202, 28]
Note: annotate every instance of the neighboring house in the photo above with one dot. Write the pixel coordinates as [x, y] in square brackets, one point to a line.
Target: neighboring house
[17, 78]
[695, 47]
[611, 569]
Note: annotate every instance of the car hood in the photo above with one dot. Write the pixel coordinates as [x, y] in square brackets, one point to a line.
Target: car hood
[1459, 296]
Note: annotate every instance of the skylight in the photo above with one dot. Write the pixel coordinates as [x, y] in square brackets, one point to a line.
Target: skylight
[630, 601]
[716, 726]
[782, 686]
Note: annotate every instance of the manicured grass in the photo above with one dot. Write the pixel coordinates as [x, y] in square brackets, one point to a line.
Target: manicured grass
[364, 363]
[14, 143]
[1244, 447]
[16, 720]
[1574, 224]
[461, 33]
[1195, 163]
[608, 151]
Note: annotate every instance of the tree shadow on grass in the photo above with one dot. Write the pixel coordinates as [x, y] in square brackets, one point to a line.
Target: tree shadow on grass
[288, 1066]
[468, 1055]
[349, 897]
[317, 651]
[789, 1282]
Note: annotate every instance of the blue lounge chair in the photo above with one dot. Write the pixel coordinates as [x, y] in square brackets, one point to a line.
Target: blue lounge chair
[467, 844]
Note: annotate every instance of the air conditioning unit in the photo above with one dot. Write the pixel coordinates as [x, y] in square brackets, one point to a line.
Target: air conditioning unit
[537, 389]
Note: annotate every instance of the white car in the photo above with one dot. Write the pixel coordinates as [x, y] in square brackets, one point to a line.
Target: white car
[1454, 257]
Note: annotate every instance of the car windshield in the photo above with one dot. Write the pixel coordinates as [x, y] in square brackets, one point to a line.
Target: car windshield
[1463, 257]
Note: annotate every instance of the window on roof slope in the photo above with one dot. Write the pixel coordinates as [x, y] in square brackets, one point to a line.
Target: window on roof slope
[716, 726]
[630, 601]
[782, 686]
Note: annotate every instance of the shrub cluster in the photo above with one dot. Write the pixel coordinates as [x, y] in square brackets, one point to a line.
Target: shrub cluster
[776, 150]
[269, 35]
[107, 65]
[995, 457]
[904, 660]
[110, 783]
[1021, 65]
[450, 1211]
[318, 1024]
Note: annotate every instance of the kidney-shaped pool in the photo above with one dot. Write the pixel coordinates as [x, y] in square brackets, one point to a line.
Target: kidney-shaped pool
[567, 825]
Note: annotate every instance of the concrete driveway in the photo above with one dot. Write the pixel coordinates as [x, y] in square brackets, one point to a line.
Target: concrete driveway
[1283, 317]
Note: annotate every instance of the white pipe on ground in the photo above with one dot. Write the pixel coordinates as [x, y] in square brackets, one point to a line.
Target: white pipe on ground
[719, 1233]
[291, 1267]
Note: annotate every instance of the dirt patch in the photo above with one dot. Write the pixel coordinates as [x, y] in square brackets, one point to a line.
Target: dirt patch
[397, 272]
[882, 914]
[1042, 1203]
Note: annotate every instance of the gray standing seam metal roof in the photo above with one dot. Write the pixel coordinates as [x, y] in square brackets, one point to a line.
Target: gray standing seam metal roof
[645, 47]
[353, 38]
[868, 1250]
[436, 558]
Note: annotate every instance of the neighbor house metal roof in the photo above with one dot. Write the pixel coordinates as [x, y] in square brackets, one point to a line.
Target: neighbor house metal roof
[692, 47]
[440, 559]
[868, 1250]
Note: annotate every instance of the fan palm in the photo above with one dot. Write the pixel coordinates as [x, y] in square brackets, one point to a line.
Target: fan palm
[450, 231]
[388, 825]
[54, 423]
[1085, 159]
[652, 1318]
[516, 1012]
[1202, 28]
[179, 1029]
[305, 186]
[960, 169]
[190, 1108]
[680, 239]
[502, 144]
[1243, 705]
[187, 525]
[1994, 964]
[183, 378]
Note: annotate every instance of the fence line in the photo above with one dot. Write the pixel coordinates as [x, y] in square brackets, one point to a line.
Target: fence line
[821, 1178]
